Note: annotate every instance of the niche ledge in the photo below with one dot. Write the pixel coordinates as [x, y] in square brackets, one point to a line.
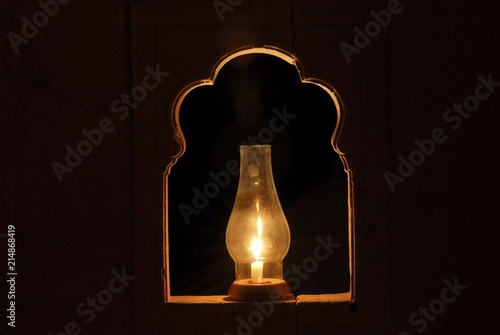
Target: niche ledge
[300, 299]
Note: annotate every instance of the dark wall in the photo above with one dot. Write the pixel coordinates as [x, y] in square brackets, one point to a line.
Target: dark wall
[70, 234]
[75, 233]
[443, 215]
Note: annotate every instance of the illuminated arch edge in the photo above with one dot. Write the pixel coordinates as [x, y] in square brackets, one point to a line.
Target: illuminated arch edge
[335, 139]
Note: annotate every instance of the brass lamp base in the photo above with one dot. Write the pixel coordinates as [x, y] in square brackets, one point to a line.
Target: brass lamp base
[271, 289]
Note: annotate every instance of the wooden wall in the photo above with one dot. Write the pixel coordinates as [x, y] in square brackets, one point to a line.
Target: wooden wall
[102, 216]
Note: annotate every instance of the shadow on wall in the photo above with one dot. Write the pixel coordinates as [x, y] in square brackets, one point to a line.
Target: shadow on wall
[257, 99]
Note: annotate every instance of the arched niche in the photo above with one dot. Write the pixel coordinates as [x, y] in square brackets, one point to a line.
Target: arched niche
[258, 95]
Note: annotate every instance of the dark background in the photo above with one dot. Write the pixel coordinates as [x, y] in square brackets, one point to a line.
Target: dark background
[249, 92]
[69, 236]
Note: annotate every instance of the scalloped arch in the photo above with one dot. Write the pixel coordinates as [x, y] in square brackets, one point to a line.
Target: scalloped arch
[335, 139]
[273, 51]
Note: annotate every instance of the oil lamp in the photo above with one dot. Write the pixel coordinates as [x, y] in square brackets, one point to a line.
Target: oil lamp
[257, 235]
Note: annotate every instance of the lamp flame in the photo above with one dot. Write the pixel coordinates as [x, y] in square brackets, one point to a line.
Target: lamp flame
[256, 246]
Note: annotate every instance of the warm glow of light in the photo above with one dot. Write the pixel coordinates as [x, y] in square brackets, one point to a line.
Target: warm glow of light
[257, 266]
[256, 245]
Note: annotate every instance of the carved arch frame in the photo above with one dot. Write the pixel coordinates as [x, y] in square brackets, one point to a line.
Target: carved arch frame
[335, 138]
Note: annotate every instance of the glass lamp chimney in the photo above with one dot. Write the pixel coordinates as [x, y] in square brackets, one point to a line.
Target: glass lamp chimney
[257, 235]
